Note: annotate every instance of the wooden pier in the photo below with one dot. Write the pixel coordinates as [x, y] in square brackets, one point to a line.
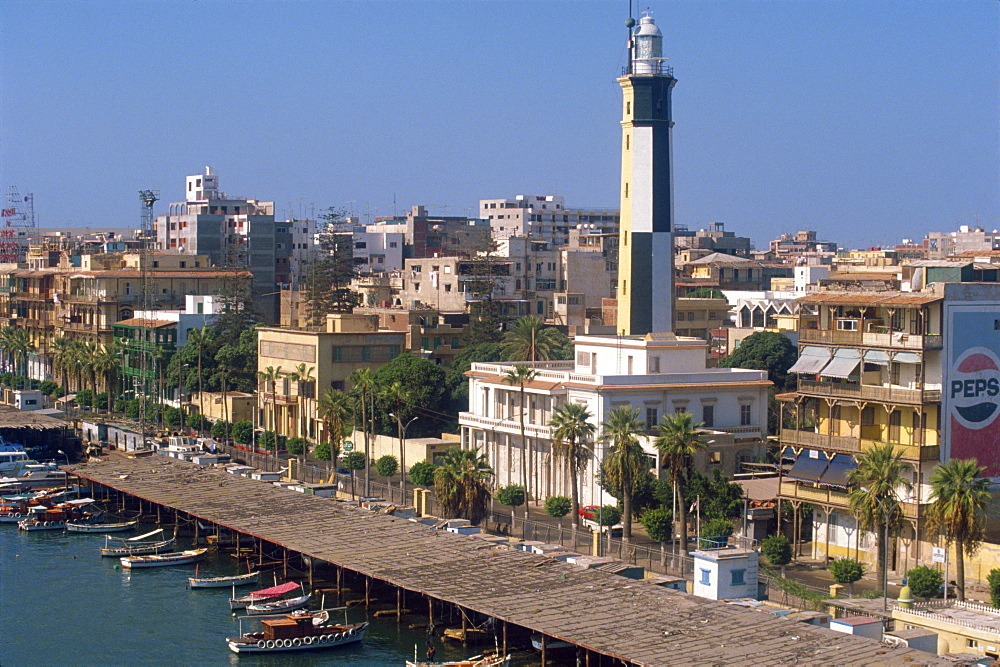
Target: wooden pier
[609, 618]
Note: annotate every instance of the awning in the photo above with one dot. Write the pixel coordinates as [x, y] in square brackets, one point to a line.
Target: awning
[840, 466]
[845, 361]
[788, 454]
[809, 467]
[907, 358]
[811, 360]
[880, 357]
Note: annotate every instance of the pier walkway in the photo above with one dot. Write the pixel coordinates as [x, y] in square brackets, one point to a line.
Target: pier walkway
[610, 615]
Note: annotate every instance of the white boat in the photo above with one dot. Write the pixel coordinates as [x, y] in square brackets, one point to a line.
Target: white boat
[299, 631]
[490, 660]
[550, 644]
[263, 595]
[161, 560]
[76, 527]
[279, 606]
[220, 582]
[135, 546]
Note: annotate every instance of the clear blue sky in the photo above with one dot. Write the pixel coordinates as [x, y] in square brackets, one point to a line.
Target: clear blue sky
[866, 121]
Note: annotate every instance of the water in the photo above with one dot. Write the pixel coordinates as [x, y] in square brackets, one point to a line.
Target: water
[61, 603]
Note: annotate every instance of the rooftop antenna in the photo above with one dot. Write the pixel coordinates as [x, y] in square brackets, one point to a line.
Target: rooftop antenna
[147, 199]
[629, 24]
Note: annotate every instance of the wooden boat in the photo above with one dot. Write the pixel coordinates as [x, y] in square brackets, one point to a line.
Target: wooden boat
[160, 560]
[56, 518]
[488, 660]
[299, 631]
[75, 527]
[279, 606]
[220, 582]
[135, 546]
[550, 644]
[263, 595]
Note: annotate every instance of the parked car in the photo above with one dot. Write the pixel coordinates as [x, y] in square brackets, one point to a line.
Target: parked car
[588, 511]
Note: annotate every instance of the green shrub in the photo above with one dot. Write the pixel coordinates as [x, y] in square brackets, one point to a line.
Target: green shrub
[386, 466]
[715, 532]
[924, 582]
[558, 506]
[295, 445]
[511, 495]
[422, 473]
[608, 515]
[847, 571]
[198, 422]
[354, 460]
[219, 429]
[993, 579]
[242, 432]
[47, 387]
[658, 524]
[322, 451]
[777, 549]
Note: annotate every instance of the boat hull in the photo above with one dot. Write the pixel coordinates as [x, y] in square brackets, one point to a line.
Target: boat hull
[224, 582]
[31, 525]
[158, 548]
[100, 527]
[163, 560]
[279, 606]
[333, 639]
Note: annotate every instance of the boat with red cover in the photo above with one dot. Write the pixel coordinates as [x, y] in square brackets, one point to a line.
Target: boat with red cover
[263, 595]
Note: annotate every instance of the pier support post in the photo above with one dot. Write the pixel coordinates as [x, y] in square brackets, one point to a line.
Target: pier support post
[197, 537]
[505, 637]
[368, 585]
[340, 582]
[284, 559]
[544, 644]
[465, 636]
[310, 574]
[430, 613]
[399, 603]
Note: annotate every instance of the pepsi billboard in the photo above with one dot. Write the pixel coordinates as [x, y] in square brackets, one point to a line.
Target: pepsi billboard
[971, 388]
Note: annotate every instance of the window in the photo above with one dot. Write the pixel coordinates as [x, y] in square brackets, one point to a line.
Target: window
[895, 419]
[447, 287]
[583, 358]
[629, 364]
[680, 409]
[653, 364]
[455, 344]
[847, 325]
[628, 142]
[894, 373]
[714, 458]
[690, 317]
[868, 416]
[393, 244]
[424, 344]
[746, 415]
[706, 577]
[738, 578]
[651, 418]
[183, 265]
[708, 415]
[680, 317]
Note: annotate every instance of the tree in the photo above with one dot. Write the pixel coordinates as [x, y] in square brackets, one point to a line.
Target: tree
[197, 421]
[714, 532]
[425, 386]
[607, 516]
[269, 441]
[363, 391]
[679, 441]
[657, 524]
[959, 498]
[62, 352]
[305, 386]
[242, 432]
[422, 473]
[720, 498]
[625, 462]
[846, 571]
[387, 466]
[455, 380]
[334, 410]
[993, 579]
[355, 461]
[197, 339]
[511, 495]
[16, 343]
[460, 484]
[269, 378]
[571, 431]
[328, 276]
[557, 507]
[295, 445]
[220, 429]
[529, 340]
[521, 375]
[397, 396]
[924, 582]
[483, 274]
[778, 551]
[322, 453]
[766, 351]
[706, 293]
[873, 501]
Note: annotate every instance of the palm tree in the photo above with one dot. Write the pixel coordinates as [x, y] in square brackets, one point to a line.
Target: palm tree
[61, 351]
[626, 462]
[105, 367]
[86, 358]
[17, 344]
[679, 441]
[364, 384]
[400, 397]
[303, 376]
[199, 338]
[270, 376]
[571, 429]
[334, 409]
[521, 375]
[873, 502]
[460, 484]
[529, 340]
[958, 507]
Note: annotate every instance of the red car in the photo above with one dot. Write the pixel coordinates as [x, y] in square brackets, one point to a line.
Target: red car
[588, 512]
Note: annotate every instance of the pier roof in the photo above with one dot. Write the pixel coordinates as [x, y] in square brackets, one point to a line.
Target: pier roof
[603, 612]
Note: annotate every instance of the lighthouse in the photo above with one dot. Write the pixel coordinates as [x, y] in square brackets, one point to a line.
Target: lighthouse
[646, 246]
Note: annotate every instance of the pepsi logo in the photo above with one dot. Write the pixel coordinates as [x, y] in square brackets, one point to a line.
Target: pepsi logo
[974, 388]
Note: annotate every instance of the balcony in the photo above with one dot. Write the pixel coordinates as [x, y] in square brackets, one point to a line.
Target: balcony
[878, 393]
[832, 497]
[742, 432]
[506, 425]
[853, 445]
[897, 340]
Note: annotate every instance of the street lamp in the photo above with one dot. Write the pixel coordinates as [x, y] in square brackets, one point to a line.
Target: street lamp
[65, 472]
[885, 544]
[402, 454]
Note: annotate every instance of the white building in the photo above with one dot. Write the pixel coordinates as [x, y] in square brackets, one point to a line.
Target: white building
[542, 217]
[199, 311]
[658, 374]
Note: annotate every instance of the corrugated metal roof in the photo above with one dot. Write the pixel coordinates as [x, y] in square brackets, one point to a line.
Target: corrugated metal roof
[605, 613]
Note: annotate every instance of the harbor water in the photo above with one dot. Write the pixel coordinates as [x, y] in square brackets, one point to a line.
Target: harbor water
[61, 603]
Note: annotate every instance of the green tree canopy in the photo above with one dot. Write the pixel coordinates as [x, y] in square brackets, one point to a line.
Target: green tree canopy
[422, 473]
[846, 571]
[295, 445]
[715, 531]
[924, 582]
[765, 351]
[424, 384]
[328, 277]
[511, 495]
[720, 497]
[387, 466]
[558, 506]
[658, 524]
[778, 551]
[706, 293]
[242, 432]
[460, 484]
[354, 460]
[608, 515]
[322, 451]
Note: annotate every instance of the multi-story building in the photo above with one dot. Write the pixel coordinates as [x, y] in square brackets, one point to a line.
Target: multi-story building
[658, 374]
[348, 343]
[869, 372]
[435, 236]
[720, 271]
[713, 239]
[802, 245]
[941, 245]
[234, 233]
[543, 217]
[432, 334]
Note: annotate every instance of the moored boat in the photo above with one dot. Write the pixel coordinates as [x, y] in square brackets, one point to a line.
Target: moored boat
[81, 527]
[139, 545]
[489, 660]
[160, 560]
[220, 582]
[299, 631]
[279, 606]
[55, 518]
[263, 595]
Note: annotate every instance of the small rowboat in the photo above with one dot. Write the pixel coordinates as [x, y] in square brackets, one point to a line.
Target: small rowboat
[220, 582]
[75, 527]
[279, 606]
[490, 660]
[263, 595]
[135, 546]
[160, 560]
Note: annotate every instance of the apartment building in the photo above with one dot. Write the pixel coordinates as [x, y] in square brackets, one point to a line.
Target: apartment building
[427, 235]
[432, 334]
[347, 343]
[543, 217]
[658, 374]
[721, 271]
